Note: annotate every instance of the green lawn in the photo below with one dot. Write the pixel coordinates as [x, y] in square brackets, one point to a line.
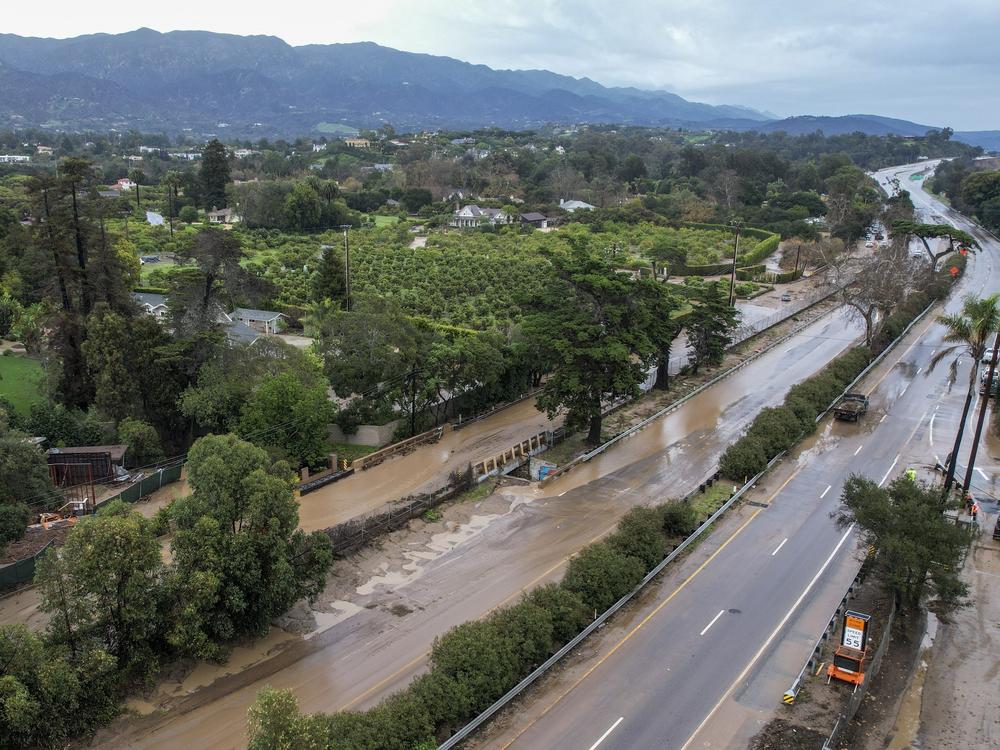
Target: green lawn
[20, 381]
[350, 451]
[385, 221]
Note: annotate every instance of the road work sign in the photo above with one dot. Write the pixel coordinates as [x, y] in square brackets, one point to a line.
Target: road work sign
[855, 634]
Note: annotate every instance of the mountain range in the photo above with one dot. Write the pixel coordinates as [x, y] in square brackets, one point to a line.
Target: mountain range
[201, 82]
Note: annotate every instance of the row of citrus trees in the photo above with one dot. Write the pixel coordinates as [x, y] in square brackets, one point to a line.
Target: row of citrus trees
[475, 663]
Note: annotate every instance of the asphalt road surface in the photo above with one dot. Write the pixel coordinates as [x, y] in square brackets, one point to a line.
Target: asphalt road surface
[367, 651]
[712, 653]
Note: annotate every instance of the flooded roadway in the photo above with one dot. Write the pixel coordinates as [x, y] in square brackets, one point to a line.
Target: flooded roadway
[377, 641]
[423, 470]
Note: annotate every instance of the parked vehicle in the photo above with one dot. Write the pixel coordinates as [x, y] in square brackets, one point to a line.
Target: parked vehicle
[852, 407]
[996, 529]
[786, 297]
[993, 390]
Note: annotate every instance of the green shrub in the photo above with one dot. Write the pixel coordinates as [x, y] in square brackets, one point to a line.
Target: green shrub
[568, 612]
[601, 575]
[679, 519]
[14, 519]
[640, 535]
[142, 440]
[529, 629]
[398, 723]
[777, 427]
[481, 660]
[743, 459]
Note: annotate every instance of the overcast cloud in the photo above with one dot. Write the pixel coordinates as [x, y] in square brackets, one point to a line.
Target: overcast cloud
[931, 62]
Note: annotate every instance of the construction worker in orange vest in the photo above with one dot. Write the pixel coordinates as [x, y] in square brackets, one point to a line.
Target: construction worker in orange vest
[975, 511]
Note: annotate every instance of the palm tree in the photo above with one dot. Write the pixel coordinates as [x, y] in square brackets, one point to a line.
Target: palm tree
[969, 331]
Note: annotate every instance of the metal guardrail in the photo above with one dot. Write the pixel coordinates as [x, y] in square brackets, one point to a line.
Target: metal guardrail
[791, 693]
[486, 715]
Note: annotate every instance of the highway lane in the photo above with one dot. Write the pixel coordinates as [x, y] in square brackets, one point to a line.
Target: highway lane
[368, 649]
[715, 654]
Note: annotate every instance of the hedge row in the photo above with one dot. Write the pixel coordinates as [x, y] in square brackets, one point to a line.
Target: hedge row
[763, 250]
[475, 663]
[749, 273]
[785, 276]
[777, 429]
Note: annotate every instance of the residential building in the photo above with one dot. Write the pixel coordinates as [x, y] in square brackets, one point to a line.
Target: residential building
[186, 155]
[14, 159]
[152, 304]
[264, 321]
[240, 333]
[535, 219]
[148, 149]
[244, 153]
[222, 216]
[317, 147]
[133, 158]
[123, 185]
[574, 205]
[357, 142]
[43, 149]
[472, 216]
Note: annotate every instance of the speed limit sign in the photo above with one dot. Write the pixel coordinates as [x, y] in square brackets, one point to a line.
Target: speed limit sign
[855, 634]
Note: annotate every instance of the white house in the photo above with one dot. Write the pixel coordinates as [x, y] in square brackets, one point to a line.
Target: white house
[472, 216]
[222, 216]
[152, 304]
[13, 159]
[574, 205]
[264, 321]
[317, 147]
[123, 184]
[244, 153]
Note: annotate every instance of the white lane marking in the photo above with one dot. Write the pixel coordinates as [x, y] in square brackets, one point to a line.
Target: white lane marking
[930, 435]
[883, 418]
[825, 491]
[774, 634]
[982, 474]
[891, 467]
[919, 369]
[714, 620]
[779, 546]
[605, 735]
[902, 392]
[859, 449]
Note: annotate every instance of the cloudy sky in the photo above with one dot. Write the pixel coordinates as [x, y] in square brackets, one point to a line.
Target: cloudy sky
[931, 62]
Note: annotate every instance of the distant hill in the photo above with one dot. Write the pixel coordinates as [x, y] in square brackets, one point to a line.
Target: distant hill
[868, 124]
[196, 79]
[262, 86]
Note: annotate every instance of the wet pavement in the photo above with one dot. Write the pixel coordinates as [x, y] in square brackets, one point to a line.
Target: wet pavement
[373, 651]
[711, 659]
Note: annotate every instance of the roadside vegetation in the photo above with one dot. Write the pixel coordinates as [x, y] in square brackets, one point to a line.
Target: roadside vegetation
[426, 322]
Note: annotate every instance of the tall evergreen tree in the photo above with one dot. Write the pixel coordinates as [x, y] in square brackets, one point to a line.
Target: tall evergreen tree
[328, 283]
[214, 175]
[710, 328]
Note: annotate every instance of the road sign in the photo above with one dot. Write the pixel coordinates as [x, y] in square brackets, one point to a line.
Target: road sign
[855, 634]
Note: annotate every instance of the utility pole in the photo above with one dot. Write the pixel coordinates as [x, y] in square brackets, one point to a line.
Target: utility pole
[982, 415]
[798, 252]
[347, 267]
[737, 226]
